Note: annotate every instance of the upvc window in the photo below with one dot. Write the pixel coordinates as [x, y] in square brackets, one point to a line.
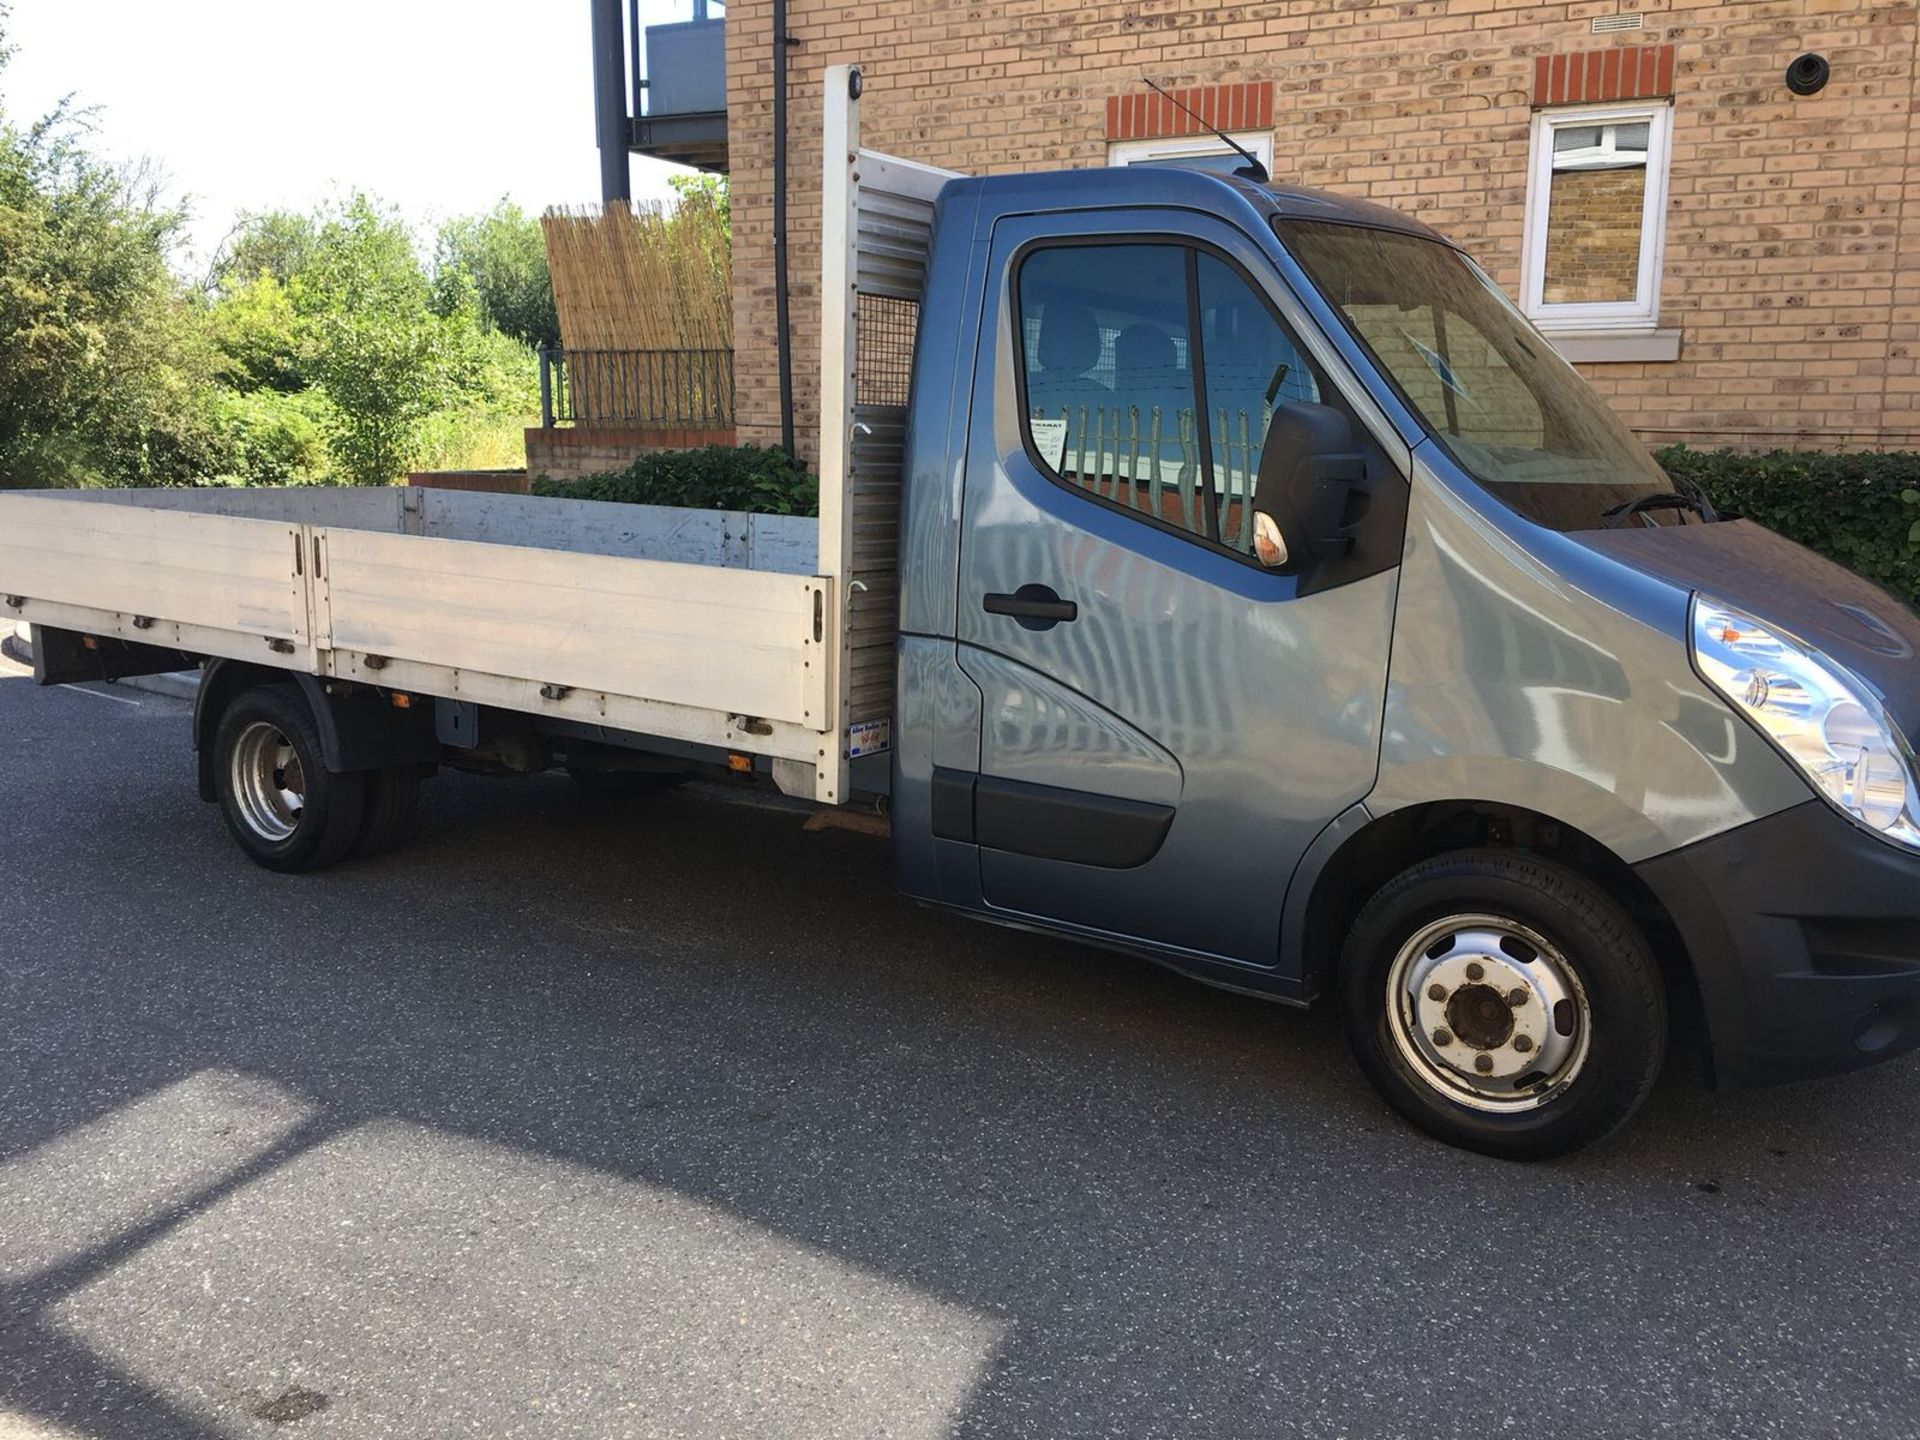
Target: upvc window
[1596, 213]
[1200, 152]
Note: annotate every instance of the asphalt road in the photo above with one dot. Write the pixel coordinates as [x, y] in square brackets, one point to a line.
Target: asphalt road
[672, 1120]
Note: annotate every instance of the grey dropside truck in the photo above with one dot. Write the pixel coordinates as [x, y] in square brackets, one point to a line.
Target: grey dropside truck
[1208, 569]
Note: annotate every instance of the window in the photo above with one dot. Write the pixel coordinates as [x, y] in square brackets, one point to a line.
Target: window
[1110, 367]
[1512, 413]
[1595, 229]
[1251, 367]
[1202, 152]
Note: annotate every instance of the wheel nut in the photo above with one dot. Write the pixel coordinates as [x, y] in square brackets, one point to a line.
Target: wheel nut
[1483, 1063]
[1436, 992]
[1443, 1037]
[1523, 1043]
[1517, 996]
[1475, 971]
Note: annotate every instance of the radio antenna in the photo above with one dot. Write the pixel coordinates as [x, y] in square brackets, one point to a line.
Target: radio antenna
[1253, 170]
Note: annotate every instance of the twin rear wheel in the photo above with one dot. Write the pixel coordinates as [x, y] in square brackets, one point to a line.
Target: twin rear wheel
[1503, 1003]
[282, 804]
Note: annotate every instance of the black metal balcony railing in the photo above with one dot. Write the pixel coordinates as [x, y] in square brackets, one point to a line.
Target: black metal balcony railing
[689, 389]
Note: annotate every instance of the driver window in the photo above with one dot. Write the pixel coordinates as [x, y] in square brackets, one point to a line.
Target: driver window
[1109, 359]
[1109, 378]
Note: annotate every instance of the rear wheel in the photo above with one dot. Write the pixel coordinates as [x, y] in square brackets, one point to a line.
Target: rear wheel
[393, 796]
[281, 803]
[1504, 1004]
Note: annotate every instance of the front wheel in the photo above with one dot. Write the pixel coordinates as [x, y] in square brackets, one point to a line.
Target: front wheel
[281, 803]
[1504, 1004]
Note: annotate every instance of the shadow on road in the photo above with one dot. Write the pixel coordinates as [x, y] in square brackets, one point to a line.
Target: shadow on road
[673, 1106]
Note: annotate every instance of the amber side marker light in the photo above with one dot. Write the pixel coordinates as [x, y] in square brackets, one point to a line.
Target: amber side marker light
[740, 764]
[402, 700]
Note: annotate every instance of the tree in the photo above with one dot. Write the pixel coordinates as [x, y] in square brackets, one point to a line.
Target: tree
[709, 190]
[501, 257]
[320, 345]
[374, 341]
[279, 243]
[102, 370]
[257, 331]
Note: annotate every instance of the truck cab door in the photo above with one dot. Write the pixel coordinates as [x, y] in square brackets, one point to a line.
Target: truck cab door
[1166, 724]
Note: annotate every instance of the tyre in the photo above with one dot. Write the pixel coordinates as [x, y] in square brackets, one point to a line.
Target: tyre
[284, 807]
[393, 795]
[1504, 1004]
[624, 784]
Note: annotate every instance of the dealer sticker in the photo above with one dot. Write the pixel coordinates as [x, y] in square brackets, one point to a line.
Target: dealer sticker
[869, 737]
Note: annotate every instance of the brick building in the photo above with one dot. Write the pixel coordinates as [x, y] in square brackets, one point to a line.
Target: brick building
[1728, 260]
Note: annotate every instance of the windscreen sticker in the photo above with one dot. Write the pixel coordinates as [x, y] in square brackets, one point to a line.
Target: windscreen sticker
[1438, 365]
[1050, 439]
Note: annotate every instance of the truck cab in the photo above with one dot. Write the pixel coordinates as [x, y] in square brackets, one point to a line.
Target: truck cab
[1277, 603]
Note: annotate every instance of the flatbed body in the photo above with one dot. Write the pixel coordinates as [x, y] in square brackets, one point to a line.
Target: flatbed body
[696, 626]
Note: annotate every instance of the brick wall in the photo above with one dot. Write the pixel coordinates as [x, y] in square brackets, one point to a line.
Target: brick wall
[495, 482]
[1792, 270]
[568, 452]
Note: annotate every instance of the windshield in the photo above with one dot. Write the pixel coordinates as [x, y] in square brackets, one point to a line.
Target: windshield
[1482, 380]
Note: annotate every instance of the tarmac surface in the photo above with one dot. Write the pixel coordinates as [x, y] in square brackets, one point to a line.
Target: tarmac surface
[672, 1119]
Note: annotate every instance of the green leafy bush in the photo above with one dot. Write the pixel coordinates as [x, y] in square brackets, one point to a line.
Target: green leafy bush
[762, 480]
[272, 437]
[1862, 510]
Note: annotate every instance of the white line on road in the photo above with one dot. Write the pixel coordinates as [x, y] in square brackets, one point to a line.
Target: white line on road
[102, 695]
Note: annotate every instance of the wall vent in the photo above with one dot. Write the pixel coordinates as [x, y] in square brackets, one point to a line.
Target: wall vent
[1608, 24]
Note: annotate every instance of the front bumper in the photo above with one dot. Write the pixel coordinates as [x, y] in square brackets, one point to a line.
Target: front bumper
[1804, 932]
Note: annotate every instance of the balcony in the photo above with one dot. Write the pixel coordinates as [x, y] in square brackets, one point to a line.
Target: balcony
[679, 82]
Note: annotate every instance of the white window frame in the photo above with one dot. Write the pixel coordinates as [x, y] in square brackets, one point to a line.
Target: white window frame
[1134, 152]
[1642, 313]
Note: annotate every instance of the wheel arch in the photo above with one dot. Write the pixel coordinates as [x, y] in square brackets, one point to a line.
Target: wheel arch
[1373, 850]
[358, 728]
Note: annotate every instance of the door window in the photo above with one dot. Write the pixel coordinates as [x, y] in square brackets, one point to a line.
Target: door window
[1251, 367]
[1108, 362]
[1111, 369]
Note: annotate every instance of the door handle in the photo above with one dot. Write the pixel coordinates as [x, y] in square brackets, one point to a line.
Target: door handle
[1038, 607]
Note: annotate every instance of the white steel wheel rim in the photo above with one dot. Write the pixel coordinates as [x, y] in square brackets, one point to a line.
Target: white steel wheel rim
[269, 782]
[1488, 1013]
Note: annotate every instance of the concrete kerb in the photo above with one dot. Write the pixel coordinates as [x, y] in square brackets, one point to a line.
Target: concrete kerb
[177, 685]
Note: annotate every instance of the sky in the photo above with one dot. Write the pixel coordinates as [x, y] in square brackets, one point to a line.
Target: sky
[441, 108]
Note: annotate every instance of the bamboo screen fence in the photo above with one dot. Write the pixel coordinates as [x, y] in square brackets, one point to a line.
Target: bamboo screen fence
[641, 280]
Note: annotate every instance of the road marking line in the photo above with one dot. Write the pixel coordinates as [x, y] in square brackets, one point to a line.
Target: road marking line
[102, 695]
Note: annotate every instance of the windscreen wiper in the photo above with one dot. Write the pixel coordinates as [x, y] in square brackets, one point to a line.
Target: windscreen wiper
[1619, 514]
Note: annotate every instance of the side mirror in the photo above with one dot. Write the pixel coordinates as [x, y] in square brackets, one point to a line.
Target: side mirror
[1304, 492]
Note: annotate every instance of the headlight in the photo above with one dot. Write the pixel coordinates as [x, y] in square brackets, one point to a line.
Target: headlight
[1828, 723]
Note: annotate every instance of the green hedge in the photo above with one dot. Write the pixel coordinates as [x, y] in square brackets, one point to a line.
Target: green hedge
[720, 477]
[1862, 510]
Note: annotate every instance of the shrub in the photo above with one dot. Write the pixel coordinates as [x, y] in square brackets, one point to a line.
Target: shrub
[763, 480]
[1862, 510]
[271, 437]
